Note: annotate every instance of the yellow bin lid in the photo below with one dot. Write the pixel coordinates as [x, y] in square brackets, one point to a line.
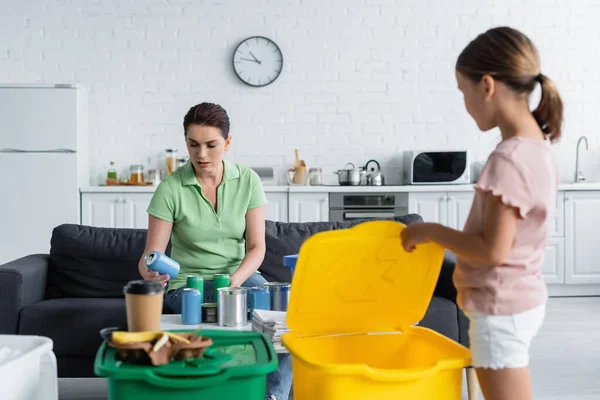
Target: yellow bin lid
[360, 280]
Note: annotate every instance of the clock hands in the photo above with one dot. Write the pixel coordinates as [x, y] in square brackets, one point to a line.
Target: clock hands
[247, 59]
[255, 59]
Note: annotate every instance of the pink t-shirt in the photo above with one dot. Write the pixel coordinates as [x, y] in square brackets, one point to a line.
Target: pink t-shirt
[523, 172]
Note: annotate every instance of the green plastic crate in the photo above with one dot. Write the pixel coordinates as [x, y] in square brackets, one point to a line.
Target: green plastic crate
[234, 367]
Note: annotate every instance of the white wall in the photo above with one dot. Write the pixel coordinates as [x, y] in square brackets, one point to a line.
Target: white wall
[362, 79]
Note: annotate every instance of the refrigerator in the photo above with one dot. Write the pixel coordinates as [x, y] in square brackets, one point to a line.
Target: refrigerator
[43, 162]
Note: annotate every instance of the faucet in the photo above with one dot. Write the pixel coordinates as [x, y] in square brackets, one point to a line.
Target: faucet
[579, 177]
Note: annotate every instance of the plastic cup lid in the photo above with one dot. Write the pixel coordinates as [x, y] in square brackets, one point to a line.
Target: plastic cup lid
[143, 287]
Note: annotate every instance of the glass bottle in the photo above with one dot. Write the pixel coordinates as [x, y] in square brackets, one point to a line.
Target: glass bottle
[112, 171]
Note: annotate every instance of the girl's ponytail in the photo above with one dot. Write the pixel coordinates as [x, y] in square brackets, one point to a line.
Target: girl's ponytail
[508, 56]
[549, 113]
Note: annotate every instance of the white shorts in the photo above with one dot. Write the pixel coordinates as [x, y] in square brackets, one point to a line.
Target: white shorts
[502, 341]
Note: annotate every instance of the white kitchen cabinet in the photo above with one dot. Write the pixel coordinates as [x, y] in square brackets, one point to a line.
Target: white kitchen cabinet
[115, 210]
[102, 209]
[277, 207]
[459, 206]
[134, 210]
[432, 207]
[557, 228]
[309, 207]
[582, 219]
[446, 208]
[553, 267]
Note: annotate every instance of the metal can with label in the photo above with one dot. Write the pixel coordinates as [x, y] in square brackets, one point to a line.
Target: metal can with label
[191, 306]
[196, 281]
[161, 263]
[279, 293]
[220, 281]
[259, 299]
[209, 313]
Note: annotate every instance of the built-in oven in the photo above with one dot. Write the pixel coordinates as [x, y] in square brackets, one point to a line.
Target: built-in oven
[354, 206]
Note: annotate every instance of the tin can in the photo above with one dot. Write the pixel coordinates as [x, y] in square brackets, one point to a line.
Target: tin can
[196, 281]
[232, 307]
[259, 299]
[209, 313]
[161, 263]
[191, 307]
[279, 293]
[220, 281]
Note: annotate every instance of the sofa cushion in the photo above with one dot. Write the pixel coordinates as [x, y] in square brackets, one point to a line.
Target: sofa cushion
[93, 262]
[283, 239]
[73, 324]
[80, 367]
[442, 317]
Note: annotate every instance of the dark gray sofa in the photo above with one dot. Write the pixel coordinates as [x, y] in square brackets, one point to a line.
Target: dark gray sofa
[76, 290]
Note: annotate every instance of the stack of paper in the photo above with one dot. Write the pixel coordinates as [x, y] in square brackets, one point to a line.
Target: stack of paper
[272, 324]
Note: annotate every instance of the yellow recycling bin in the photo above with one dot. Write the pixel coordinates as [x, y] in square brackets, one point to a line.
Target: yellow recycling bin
[356, 296]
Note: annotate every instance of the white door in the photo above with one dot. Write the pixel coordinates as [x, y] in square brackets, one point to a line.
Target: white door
[134, 210]
[38, 118]
[102, 209]
[553, 268]
[37, 193]
[459, 206]
[431, 206]
[582, 219]
[308, 207]
[277, 207]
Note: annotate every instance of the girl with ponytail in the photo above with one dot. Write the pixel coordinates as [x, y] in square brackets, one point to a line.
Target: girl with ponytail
[501, 248]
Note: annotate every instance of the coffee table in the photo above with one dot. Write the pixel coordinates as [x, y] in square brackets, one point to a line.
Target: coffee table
[172, 322]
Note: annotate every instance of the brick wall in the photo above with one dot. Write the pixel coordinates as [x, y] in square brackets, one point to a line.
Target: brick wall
[362, 79]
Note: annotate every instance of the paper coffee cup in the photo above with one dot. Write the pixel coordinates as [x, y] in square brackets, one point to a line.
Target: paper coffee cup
[144, 304]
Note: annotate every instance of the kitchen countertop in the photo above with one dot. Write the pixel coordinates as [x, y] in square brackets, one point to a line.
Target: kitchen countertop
[336, 188]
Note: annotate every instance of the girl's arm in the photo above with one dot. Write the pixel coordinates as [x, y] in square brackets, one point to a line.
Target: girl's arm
[255, 246]
[489, 247]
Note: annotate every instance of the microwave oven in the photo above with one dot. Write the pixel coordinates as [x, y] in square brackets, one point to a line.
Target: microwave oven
[430, 167]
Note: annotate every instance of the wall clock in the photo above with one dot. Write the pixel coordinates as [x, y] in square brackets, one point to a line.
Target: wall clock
[257, 61]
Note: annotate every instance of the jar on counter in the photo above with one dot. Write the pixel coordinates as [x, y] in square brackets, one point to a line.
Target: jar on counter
[181, 162]
[155, 176]
[136, 174]
[315, 176]
[171, 160]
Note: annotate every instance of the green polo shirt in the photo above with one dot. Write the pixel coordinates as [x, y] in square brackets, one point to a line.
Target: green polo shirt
[204, 241]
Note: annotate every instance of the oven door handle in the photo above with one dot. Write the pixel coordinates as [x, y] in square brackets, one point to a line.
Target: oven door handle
[362, 215]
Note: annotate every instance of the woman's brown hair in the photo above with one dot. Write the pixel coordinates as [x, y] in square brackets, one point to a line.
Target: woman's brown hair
[508, 56]
[207, 114]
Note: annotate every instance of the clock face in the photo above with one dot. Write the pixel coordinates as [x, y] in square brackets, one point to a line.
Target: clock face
[257, 61]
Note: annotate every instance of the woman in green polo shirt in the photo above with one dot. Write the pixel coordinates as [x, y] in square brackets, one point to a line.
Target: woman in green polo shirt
[213, 212]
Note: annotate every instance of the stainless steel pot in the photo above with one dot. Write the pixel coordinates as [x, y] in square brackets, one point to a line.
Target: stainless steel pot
[351, 176]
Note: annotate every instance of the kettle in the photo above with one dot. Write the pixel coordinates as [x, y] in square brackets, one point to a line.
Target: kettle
[375, 177]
